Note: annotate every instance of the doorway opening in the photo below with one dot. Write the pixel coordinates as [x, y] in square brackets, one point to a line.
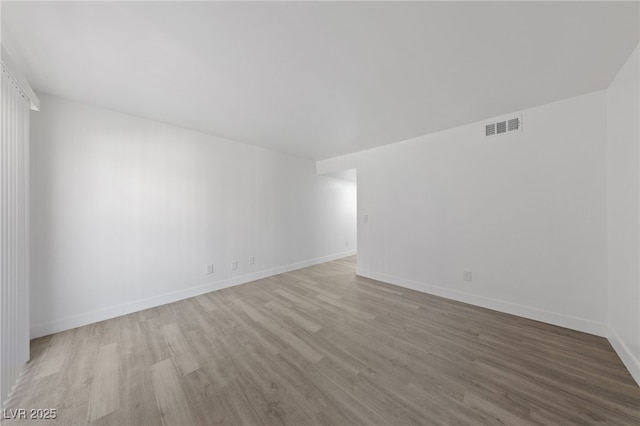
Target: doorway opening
[346, 210]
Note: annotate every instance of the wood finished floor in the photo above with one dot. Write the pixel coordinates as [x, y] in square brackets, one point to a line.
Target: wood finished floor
[322, 346]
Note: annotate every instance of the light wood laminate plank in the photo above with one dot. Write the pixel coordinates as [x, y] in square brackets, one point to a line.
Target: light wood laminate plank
[167, 387]
[104, 388]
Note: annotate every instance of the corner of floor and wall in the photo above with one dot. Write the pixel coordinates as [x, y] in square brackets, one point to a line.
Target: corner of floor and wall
[542, 222]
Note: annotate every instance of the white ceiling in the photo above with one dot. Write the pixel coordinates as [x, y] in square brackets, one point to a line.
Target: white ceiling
[319, 80]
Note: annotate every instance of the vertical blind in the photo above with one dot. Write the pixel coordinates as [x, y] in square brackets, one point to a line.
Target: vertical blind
[14, 234]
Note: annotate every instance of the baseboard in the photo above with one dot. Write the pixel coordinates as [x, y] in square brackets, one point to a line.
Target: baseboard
[555, 318]
[628, 359]
[44, 329]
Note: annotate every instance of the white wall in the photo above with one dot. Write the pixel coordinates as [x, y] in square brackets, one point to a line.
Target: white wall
[623, 212]
[127, 213]
[525, 212]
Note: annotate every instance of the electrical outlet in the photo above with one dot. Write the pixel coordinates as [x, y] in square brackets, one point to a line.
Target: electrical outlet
[252, 260]
[209, 269]
[234, 265]
[467, 276]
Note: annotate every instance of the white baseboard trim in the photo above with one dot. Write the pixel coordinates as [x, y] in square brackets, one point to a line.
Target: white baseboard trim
[628, 359]
[555, 318]
[44, 329]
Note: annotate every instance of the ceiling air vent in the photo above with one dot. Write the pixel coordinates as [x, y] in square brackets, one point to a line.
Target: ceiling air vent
[503, 126]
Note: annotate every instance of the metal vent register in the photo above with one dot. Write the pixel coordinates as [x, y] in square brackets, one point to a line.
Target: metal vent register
[503, 126]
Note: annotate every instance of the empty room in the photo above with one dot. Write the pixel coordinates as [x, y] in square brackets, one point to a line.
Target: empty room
[320, 213]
